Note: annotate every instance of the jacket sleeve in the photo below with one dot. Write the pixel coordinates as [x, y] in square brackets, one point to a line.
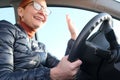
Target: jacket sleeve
[51, 61]
[7, 70]
[69, 46]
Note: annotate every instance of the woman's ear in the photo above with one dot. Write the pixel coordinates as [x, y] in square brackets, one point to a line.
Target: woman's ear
[20, 12]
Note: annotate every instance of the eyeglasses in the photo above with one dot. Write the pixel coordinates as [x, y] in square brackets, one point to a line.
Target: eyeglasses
[38, 7]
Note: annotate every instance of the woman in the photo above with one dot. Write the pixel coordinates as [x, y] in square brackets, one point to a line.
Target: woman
[22, 58]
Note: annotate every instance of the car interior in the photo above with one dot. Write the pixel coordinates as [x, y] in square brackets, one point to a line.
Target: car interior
[100, 50]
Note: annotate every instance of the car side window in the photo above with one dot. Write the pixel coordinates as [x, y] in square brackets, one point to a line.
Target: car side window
[7, 13]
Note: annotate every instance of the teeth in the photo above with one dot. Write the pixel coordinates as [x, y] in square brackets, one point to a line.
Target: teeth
[38, 18]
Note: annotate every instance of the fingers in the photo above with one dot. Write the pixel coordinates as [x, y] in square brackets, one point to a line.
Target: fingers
[71, 27]
[67, 70]
[66, 56]
[77, 63]
[70, 24]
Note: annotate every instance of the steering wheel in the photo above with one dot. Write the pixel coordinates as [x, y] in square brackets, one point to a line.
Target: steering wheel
[79, 48]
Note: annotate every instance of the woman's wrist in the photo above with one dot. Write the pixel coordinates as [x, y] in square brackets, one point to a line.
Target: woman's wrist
[73, 36]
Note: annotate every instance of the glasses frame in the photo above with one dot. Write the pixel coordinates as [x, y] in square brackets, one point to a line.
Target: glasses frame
[39, 7]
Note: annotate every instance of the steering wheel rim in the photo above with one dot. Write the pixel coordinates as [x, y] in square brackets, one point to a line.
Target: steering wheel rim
[89, 27]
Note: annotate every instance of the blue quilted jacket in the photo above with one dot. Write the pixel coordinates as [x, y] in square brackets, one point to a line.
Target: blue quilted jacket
[22, 58]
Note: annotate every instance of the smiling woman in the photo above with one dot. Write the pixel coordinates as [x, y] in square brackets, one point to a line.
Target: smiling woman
[56, 26]
[55, 34]
[22, 56]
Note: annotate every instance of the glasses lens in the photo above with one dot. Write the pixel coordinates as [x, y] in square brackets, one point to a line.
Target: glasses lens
[48, 11]
[38, 7]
